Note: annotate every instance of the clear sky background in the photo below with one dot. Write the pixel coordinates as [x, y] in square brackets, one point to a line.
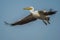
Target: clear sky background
[12, 11]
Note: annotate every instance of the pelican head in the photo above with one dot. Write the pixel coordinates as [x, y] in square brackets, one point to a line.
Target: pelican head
[29, 8]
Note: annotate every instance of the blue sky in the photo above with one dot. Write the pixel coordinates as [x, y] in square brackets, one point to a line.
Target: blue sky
[12, 11]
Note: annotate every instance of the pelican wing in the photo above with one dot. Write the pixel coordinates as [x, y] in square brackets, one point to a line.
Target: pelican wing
[25, 20]
[47, 13]
[50, 13]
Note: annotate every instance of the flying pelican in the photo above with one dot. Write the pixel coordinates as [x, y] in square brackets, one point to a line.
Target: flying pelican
[34, 15]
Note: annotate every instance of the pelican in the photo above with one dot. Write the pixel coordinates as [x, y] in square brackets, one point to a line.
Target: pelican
[34, 15]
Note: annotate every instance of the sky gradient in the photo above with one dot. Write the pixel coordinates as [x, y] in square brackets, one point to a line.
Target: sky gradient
[12, 11]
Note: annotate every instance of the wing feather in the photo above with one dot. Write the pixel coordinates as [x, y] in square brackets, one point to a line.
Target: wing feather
[50, 13]
[25, 20]
[47, 13]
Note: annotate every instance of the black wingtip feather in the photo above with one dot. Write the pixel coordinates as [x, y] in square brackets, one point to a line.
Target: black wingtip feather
[51, 13]
[8, 23]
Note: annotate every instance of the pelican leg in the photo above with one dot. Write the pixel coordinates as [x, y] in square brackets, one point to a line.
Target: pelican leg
[48, 22]
[44, 22]
[47, 19]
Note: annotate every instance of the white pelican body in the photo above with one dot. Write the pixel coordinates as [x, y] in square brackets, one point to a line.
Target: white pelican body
[34, 13]
[43, 15]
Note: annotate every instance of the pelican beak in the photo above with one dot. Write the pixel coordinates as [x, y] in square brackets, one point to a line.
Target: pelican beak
[27, 8]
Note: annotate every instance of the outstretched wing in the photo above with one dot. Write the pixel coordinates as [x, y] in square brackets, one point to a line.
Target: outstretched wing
[25, 20]
[47, 13]
[50, 13]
